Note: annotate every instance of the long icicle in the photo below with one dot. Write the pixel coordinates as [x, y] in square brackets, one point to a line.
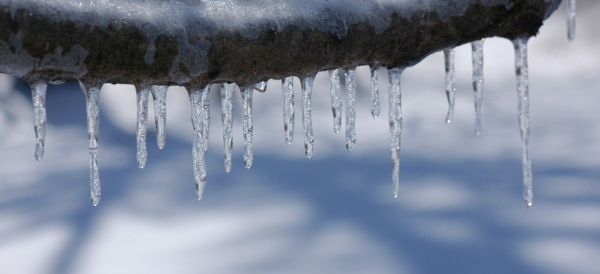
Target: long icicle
[227, 117]
[375, 106]
[248, 126]
[395, 121]
[309, 140]
[92, 100]
[350, 79]
[336, 101]
[477, 47]
[159, 96]
[199, 144]
[142, 125]
[571, 13]
[450, 82]
[206, 115]
[38, 92]
[288, 108]
[522, 72]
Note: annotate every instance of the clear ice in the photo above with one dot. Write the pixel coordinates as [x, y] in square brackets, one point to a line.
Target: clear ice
[395, 116]
[159, 96]
[309, 139]
[288, 108]
[336, 101]
[206, 115]
[571, 13]
[142, 120]
[199, 144]
[92, 100]
[522, 72]
[227, 118]
[261, 86]
[375, 107]
[248, 127]
[450, 82]
[350, 79]
[38, 92]
[477, 47]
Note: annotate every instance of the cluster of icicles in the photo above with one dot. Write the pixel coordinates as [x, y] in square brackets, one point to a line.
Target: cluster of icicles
[199, 99]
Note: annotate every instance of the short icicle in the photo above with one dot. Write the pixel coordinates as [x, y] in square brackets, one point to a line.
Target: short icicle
[92, 100]
[450, 82]
[522, 72]
[38, 92]
[395, 121]
[350, 78]
[248, 127]
[142, 120]
[336, 101]
[199, 144]
[227, 118]
[159, 96]
[375, 107]
[288, 108]
[206, 115]
[309, 140]
[261, 86]
[478, 81]
[571, 13]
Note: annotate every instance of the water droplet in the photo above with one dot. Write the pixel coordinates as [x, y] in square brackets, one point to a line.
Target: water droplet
[395, 120]
[336, 101]
[159, 96]
[288, 108]
[309, 140]
[450, 82]
[350, 79]
[261, 86]
[477, 47]
[227, 118]
[522, 72]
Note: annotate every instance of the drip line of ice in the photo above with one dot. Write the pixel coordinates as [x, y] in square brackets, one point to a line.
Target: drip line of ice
[375, 107]
[477, 47]
[336, 101]
[261, 86]
[395, 120]
[205, 115]
[309, 140]
[522, 72]
[227, 118]
[571, 13]
[450, 82]
[38, 93]
[350, 79]
[92, 100]
[247, 125]
[142, 120]
[288, 108]
[159, 96]
[199, 144]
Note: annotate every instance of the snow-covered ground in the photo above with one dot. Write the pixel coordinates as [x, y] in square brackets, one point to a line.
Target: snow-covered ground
[460, 208]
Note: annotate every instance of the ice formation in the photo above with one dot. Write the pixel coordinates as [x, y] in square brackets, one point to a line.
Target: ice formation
[450, 82]
[38, 92]
[288, 108]
[227, 118]
[248, 127]
[478, 81]
[571, 12]
[336, 101]
[142, 125]
[92, 101]
[198, 142]
[309, 139]
[395, 117]
[159, 96]
[350, 76]
[375, 107]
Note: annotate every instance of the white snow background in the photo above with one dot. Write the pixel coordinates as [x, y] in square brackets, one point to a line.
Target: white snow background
[460, 208]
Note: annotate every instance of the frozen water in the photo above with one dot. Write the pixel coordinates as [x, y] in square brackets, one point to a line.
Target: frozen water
[522, 72]
[395, 117]
[206, 115]
[288, 108]
[227, 118]
[571, 13]
[199, 144]
[350, 79]
[450, 82]
[336, 101]
[477, 47]
[248, 127]
[92, 100]
[309, 140]
[261, 86]
[159, 96]
[375, 107]
[38, 91]
[142, 121]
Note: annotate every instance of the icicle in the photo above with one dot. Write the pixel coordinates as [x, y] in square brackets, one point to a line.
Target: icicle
[142, 119]
[350, 78]
[450, 82]
[522, 72]
[261, 86]
[336, 101]
[38, 91]
[395, 116]
[159, 96]
[309, 140]
[248, 127]
[288, 108]
[478, 81]
[571, 13]
[206, 115]
[92, 98]
[227, 117]
[198, 142]
[375, 108]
